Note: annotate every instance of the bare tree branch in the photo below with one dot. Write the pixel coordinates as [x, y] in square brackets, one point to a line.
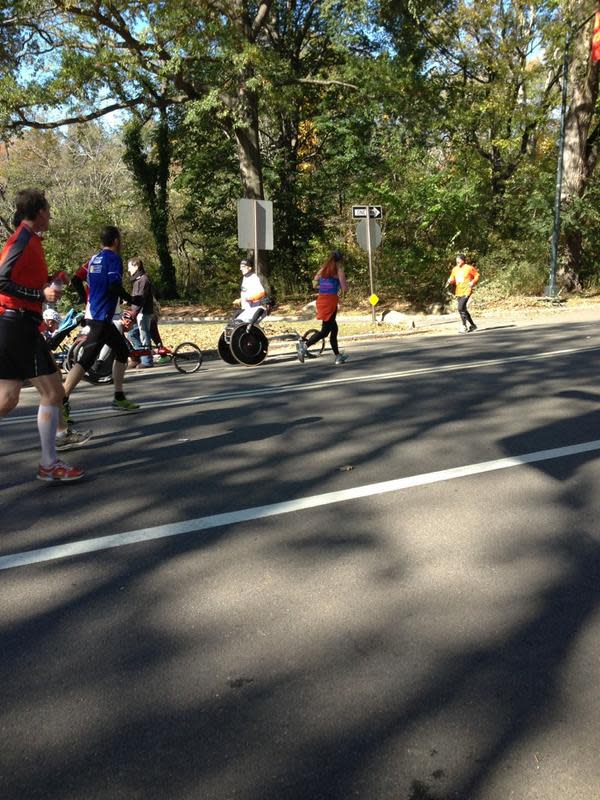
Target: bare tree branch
[260, 18]
[24, 122]
[330, 82]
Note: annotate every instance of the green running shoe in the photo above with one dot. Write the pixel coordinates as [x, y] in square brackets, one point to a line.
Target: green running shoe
[125, 404]
[66, 412]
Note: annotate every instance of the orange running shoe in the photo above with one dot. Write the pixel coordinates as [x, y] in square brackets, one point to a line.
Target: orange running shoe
[59, 472]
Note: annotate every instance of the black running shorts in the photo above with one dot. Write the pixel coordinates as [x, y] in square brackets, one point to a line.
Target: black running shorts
[102, 333]
[24, 353]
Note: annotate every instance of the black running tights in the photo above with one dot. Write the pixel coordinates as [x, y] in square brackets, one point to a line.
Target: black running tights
[328, 328]
[466, 318]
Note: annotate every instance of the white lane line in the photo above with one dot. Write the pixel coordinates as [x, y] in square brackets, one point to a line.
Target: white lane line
[85, 546]
[288, 388]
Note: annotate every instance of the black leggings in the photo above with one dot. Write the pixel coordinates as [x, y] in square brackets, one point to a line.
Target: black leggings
[467, 321]
[328, 328]
[101, 333]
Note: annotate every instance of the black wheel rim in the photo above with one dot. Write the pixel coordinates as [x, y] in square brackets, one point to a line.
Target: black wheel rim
[249, 347]
[225, 351]
[187, 357]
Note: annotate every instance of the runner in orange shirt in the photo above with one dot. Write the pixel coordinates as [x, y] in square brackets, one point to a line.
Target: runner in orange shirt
[464, 277]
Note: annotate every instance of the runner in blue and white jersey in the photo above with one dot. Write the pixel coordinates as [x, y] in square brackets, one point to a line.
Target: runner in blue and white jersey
[105, 279]
[105, 276]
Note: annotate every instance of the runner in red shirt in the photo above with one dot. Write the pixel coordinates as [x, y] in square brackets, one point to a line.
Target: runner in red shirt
[24, 354]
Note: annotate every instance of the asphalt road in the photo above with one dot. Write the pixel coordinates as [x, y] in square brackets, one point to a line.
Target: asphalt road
[223, 610]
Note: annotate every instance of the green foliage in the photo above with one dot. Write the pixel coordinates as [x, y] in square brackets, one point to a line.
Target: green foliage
[441, 111]
[150, 168]
[513, 268]
[88, 187]
[203, 199]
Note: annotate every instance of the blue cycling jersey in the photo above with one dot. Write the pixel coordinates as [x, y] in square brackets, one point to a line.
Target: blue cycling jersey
[105, 269]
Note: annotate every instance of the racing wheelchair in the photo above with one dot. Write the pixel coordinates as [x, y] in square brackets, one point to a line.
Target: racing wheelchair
[244, 342]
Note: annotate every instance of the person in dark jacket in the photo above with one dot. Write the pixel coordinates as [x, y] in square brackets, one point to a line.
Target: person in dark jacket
[142, 304]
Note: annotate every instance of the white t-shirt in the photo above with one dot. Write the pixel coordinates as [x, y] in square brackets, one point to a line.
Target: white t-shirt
[252, 292]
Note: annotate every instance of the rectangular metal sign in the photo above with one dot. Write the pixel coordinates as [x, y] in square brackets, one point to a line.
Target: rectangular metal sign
[255, 224]
[360, 212]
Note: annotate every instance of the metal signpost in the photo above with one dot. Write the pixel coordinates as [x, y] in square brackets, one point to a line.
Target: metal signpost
[368, 235]
[364, 231]
[255, 225]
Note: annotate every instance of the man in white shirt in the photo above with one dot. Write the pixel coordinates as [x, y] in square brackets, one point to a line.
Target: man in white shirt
[252, 294]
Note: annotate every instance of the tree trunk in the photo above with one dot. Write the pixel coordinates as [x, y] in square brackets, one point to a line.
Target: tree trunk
[248, 145]
[159, 210]
[247, 138]
[579, 156]
[152, 178]
[568, 276]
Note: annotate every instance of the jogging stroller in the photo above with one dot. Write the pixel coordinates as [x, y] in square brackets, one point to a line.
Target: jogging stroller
[55, 342]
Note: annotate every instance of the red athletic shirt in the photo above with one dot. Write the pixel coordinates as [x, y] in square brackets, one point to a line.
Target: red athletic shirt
[23, 271]
[79, 281]
[82, 272]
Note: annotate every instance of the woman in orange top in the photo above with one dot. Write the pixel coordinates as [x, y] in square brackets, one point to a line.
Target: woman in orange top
[464, 277]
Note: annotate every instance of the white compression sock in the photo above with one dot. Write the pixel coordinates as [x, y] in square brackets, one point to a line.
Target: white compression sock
[47, 426]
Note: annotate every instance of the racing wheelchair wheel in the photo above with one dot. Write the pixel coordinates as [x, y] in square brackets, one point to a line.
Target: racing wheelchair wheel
[71, 356]
[249, 347]
[187, 357]
[99, 372]
[318, 347]
[225, 351]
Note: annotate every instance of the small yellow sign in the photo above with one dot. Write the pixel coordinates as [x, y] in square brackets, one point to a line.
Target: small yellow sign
[373, 299]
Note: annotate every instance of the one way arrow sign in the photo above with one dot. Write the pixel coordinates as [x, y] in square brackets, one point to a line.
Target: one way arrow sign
[360, 212]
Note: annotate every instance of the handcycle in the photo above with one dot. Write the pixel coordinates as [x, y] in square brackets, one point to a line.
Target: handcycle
[245, 342]
[186, 357]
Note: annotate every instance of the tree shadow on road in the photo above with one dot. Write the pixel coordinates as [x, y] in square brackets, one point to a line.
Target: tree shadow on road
[277, 688]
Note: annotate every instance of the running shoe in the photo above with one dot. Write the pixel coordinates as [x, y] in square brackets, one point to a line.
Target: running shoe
[341, 358]
[125, 404]
[472, 328]
[301, 350]
[59, 472]
[73, 438]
